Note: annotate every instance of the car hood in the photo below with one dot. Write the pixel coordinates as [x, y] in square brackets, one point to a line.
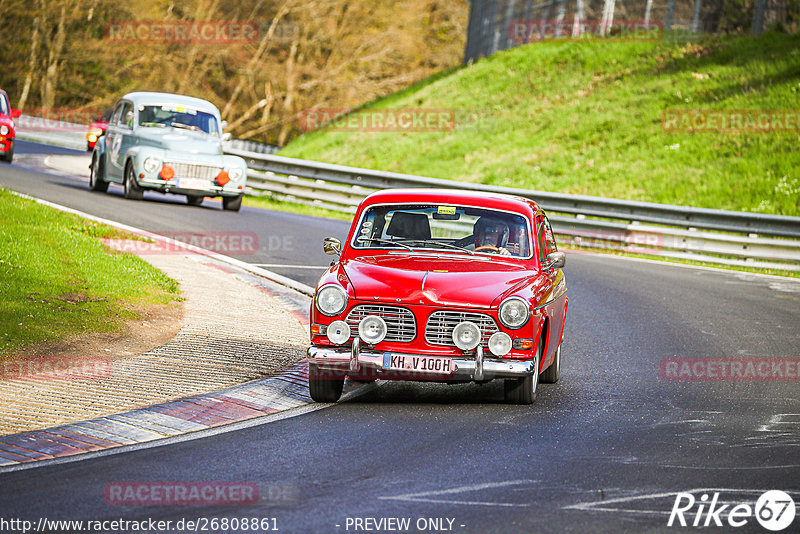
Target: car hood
[432, 280]
[180, 141]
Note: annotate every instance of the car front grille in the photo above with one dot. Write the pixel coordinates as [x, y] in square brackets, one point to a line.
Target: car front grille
[439, 330]
[190, 170]
[400, 324]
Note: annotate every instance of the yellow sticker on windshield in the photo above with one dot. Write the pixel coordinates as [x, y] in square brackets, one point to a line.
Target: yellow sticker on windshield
[446, 210]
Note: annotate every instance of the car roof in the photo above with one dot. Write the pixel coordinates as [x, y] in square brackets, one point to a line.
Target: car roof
[478, 199]
[146, 97]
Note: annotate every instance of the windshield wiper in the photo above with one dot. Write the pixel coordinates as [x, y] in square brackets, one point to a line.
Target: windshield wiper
[159, 124]
[375, 240]
[438, 243]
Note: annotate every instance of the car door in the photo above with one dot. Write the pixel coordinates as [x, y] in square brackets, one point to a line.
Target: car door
[556, 310]
[119, 139]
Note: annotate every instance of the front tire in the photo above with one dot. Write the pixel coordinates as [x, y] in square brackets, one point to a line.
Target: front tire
[96, 181]
[232, 203]
[8, 156]
[132, 189]
[523, 390]
[324, 386]
[552, 373]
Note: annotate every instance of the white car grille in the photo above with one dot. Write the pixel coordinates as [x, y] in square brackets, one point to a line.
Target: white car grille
[400, 324]
[439, 330]
[190, 170]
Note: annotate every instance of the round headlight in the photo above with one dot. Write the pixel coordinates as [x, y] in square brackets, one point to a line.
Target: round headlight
[151, 165]
[4, 130]
[500, 344]
[338, 332]
[372, 329]
[236, 174]
[514, 312]
[331, 300]
[466, 335]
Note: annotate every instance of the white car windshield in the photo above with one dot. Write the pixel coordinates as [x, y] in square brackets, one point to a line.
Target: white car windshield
[180, 117]
[451, 228]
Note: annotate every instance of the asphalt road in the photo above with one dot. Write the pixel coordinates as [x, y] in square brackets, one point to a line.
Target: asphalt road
[283, 239]
[604, 450]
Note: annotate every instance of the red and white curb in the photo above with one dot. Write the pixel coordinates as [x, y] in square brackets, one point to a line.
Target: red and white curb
[256, 402]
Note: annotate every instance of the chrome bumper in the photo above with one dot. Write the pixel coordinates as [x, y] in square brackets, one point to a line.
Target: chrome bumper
[356, 360]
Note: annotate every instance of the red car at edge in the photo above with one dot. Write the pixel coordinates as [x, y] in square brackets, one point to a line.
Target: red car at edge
[7, 129]
[441, 285]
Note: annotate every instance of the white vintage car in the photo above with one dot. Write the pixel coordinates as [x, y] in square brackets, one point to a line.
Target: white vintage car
[170, 144]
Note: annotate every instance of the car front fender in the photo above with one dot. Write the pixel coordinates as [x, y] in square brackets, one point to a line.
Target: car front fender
[138, 154]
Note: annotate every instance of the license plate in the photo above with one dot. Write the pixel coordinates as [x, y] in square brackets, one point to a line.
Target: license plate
[192, 183]
[421, 364]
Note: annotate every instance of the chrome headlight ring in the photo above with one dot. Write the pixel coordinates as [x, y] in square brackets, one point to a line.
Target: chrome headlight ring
[514, 312]
[331, 300]
[151, 165]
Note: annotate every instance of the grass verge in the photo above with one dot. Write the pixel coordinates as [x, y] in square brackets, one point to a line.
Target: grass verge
[586, 117]
[58, 280]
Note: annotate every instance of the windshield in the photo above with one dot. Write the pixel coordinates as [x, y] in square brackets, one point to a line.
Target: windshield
[178, 117]
[450, 228]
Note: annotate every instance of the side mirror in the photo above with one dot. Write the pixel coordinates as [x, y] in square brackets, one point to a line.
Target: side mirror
[556, 260]
[223, 125]
[226, 136]
[332, 246]
[16, 113]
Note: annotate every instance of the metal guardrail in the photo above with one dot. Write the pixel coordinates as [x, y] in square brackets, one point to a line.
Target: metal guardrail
[595, 222]
[709, 235]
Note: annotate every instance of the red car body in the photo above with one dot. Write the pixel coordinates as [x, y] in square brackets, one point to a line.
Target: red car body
[97, 129]
[7, 127]
[423, 286]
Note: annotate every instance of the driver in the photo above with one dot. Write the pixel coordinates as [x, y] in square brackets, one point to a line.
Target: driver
[491, 232]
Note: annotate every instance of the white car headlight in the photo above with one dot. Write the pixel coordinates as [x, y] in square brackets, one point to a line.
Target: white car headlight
[152, 165]
[500, 344]
[466, 335]
[514, 312]
[236, 174]
[372, 329]
[331, 300]
[4, 130]
[338, 332]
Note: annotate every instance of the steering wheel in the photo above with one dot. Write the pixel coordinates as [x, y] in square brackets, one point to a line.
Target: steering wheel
[490, 248]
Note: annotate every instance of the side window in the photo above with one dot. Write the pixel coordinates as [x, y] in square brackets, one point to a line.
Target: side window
[540, 236]
[116, 114]
[127, 115]
[123, 115]
[549, 237]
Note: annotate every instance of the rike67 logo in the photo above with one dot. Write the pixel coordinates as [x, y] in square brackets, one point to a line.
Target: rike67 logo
[774, 510]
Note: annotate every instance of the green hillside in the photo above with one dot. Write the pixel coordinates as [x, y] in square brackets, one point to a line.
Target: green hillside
[586, 117]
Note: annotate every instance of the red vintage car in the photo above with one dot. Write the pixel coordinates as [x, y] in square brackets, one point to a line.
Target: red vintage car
[7, 130]
[441, 285]
[97, 129]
